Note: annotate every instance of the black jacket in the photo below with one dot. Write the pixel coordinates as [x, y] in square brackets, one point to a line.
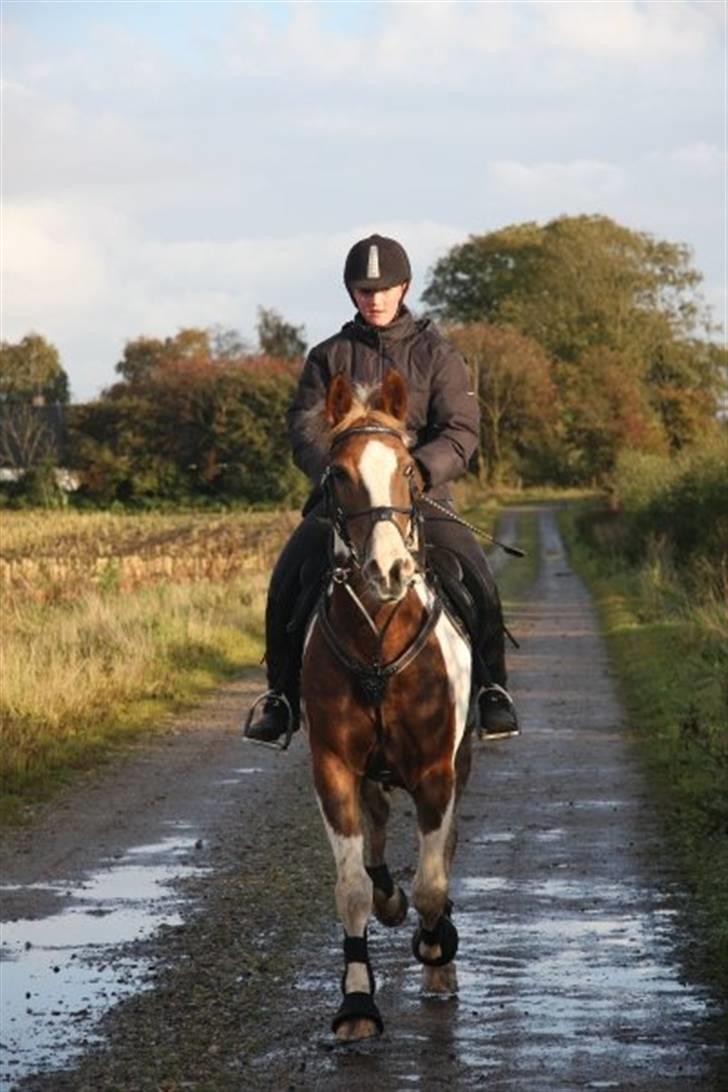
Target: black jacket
[442, 409]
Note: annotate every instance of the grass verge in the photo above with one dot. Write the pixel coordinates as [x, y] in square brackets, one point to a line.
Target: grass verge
[671, 658]
[82, 679]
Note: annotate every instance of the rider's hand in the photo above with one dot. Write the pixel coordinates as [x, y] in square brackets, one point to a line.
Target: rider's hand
[419, 478]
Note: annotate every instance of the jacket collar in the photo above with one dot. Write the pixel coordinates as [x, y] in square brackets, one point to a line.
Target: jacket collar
[402, 327]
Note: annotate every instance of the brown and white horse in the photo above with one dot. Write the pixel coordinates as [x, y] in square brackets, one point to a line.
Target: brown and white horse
[385, 695]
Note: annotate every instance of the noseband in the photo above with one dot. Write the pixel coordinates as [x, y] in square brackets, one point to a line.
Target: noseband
[381, 513]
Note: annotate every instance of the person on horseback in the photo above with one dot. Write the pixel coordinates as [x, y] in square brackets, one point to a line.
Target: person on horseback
[443, 415]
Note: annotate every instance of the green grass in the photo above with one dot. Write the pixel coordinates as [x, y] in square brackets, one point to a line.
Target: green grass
[82, 679]
[670, 654]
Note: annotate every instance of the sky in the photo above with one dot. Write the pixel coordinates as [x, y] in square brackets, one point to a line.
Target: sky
[173, 164]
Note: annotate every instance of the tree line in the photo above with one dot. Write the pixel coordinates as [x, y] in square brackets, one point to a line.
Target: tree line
[585, 338]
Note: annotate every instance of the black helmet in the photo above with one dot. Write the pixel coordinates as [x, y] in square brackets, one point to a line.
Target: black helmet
[376, 262]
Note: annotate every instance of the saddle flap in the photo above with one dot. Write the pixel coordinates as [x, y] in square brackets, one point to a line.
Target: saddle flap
[450, 578]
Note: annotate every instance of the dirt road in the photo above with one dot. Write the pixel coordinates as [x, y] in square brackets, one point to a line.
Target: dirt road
[175, 926]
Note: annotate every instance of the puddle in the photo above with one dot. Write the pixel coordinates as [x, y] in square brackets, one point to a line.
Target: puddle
[59, 973]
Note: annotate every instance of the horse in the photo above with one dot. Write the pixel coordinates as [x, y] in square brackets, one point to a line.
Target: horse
[385, 688]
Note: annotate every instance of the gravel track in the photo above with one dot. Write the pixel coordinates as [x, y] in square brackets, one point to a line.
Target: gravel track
[568, 906]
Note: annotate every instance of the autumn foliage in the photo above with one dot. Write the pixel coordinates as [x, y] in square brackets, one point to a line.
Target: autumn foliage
[189, 426]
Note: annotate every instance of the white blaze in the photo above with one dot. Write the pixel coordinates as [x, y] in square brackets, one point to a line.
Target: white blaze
[377, 466]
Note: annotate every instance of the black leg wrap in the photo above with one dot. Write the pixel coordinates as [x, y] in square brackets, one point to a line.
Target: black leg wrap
[384, 886]
[382, 879]
[444, 933]
[357, 1006]
[355, 951]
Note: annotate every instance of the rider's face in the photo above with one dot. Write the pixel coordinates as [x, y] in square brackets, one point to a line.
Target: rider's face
[379, 306]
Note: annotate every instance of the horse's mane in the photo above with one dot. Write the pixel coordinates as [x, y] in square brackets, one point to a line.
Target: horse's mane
[318, 431]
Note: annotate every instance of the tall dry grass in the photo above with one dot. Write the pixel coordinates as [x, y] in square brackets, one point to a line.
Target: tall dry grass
[110, 620]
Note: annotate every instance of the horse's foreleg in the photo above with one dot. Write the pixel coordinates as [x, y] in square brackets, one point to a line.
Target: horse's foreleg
[435, 941]
[337, 789]
[390, 901]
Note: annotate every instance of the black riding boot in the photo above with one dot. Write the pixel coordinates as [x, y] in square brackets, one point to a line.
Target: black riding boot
[294, 590]
[495, 714]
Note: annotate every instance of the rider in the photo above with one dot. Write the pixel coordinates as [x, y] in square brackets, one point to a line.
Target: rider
[443, 413]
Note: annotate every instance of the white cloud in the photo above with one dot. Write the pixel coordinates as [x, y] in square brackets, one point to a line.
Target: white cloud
[151, 185]
[622, 28]
[701, 156]
[581, 183]
[87, 277]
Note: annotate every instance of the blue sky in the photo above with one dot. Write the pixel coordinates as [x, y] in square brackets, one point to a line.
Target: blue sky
[179, 164]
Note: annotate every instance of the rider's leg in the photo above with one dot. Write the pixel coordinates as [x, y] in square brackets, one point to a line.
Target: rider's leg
[306, 546]
[497, 714]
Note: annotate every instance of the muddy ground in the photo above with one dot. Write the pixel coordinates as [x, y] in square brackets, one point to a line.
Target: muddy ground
[171, 920]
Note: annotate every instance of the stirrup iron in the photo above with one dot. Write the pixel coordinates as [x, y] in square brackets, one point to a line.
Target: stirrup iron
[283, 742]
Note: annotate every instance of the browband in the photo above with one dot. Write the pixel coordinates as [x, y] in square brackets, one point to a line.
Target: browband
[361, 429]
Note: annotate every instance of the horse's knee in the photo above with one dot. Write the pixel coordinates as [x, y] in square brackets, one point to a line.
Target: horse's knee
[354, 898]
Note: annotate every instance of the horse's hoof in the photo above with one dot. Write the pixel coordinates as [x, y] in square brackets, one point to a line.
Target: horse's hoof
[358, 1018]
[393, 910]
[353, 1031]
[440, 980]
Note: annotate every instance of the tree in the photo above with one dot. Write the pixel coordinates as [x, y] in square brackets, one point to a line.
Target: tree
[144, 354]
[517, 395]
[227, 344]
[191, 428]
[571, 284]
[31, 371]
[605, 410]
[617, 310]
[278, 338]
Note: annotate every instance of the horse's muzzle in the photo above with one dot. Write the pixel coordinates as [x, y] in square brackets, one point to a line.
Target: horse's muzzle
[390, 586]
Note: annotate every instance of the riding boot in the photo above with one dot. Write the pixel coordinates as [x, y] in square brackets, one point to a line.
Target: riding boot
[294, 589]
[495, 715]
[495, 712]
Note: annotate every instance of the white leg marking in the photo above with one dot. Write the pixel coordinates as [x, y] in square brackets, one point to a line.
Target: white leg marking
[354, 893]
[430, 882]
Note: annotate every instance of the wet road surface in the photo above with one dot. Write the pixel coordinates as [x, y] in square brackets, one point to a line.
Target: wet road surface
[565, 899]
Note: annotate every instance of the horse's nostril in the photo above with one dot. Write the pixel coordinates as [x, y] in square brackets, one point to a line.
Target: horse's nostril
[371, 570]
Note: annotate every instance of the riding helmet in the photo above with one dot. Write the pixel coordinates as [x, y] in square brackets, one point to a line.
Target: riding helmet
[376, 262]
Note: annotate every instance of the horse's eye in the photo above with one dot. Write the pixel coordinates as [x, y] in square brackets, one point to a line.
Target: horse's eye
[338, 473]
[409, 470]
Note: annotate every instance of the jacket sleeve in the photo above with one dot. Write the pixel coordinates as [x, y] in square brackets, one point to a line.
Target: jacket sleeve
[307, 455]
[453, 419]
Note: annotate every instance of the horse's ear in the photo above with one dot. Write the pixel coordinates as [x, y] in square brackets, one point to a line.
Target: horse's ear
[338, 399]
[394, 395]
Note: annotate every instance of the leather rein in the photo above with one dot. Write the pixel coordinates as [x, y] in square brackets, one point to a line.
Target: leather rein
[372, 677]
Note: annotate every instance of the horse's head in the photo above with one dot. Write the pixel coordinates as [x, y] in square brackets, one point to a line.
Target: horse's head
[371, 483]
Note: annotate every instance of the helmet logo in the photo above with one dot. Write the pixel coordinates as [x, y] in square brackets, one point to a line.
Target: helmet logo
[373, 263]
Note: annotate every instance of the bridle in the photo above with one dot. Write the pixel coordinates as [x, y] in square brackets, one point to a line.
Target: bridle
[381, 513]
[372, 677]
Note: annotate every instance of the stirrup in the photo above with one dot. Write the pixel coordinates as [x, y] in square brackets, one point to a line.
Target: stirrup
[506, 701]
[284, 742]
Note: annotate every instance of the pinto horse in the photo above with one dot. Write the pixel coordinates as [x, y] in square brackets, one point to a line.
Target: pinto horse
[385, 692]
